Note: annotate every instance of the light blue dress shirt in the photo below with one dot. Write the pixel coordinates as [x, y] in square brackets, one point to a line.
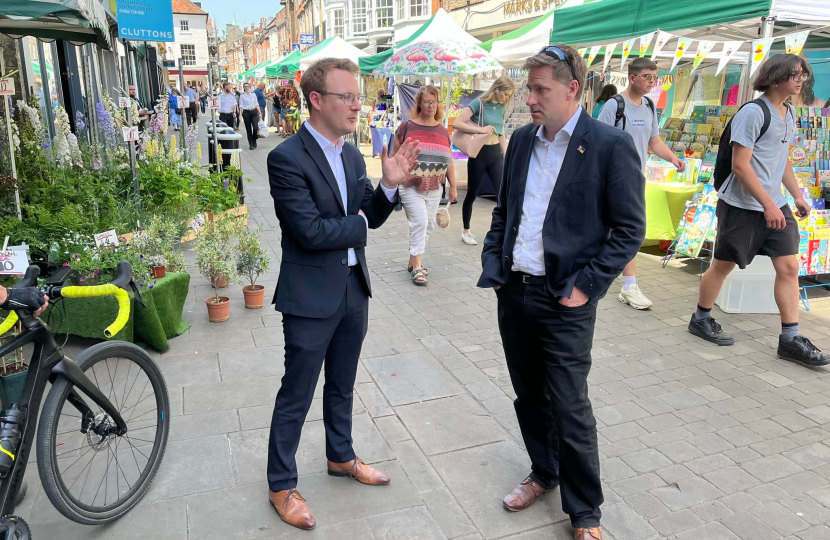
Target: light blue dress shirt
[333, 155]
[545, 164]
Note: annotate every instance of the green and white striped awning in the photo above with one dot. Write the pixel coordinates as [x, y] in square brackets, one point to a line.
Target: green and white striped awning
[76, 21]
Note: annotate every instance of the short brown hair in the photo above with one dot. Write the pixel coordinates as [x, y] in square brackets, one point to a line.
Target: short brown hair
[314, 78]
[641, 64]
[778, 69]
[419, 97]
[561, 71]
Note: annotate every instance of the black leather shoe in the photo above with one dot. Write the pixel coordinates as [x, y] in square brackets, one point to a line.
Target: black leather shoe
[709, 330]
[800, 350]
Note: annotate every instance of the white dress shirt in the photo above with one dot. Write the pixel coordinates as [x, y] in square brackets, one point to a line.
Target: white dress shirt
[248, 102]
[227, 102]
[333, 152]
[545, 164]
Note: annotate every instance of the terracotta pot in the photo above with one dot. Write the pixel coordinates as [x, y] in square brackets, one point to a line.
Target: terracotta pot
[219, 283]
[159, 272]
[254, 296]
[218, 311]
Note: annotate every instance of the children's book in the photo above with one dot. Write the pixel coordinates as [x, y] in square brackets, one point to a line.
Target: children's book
[806, 176]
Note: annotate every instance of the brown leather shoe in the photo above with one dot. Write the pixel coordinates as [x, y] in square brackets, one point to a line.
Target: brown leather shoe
[587, 533]
[359, 471]
[291, 508]
[525, 495]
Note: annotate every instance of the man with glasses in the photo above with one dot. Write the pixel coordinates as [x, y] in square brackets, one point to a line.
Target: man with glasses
[634, 112]
[570, 215]
[325, 205]
[753, 215]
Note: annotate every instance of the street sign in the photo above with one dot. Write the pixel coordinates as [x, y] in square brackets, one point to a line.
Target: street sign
[214, 102]
[306, 39]
[145, 20]
[168, 63]
[295, 46]
[7, 87]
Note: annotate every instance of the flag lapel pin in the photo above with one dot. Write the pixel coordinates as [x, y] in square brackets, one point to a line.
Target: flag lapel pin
[581, 149]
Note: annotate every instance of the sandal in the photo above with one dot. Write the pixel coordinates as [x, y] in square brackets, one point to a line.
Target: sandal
[426, 272]
[418, 277]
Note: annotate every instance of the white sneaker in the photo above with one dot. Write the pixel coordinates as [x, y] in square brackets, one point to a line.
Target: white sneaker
[468, 238]
[635, 298]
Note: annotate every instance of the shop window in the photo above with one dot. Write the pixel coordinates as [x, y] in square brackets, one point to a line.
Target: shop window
[184, 26]
[358, 17]
[384, 13]
[188, 55]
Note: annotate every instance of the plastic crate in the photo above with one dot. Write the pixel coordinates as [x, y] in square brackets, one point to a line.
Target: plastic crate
[751, 290]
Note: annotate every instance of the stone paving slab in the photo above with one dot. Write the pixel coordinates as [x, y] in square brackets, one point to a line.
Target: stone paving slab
[697, 442]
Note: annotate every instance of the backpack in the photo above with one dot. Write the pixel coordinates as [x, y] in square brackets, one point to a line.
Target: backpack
[621, 109]
[723, 164]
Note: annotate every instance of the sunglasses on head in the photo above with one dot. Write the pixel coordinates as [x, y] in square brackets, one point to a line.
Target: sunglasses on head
[558, 54]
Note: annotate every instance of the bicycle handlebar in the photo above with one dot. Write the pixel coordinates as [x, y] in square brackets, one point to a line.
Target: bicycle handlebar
[117, 287]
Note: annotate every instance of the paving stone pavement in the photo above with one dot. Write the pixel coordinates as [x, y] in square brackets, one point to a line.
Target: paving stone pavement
[696, 442]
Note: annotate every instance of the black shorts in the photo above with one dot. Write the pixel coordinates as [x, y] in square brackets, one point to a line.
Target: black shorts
[743, 234]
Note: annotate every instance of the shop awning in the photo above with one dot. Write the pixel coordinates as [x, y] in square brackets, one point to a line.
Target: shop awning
[251, 72]
[336, 48]
[76, 21]
[439, 27]
[289, 66]
[272, 70]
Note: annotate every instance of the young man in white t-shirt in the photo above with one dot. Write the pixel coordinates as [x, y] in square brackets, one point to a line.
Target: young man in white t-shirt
[753, 215]
[640, 121]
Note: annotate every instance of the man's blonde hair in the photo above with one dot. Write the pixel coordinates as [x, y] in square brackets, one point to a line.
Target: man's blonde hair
[314, 78]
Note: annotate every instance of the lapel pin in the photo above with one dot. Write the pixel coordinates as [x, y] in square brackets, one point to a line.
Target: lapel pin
[581, 149]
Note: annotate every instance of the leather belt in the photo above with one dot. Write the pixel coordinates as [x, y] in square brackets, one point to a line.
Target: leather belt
[352, 269]
[527, 279]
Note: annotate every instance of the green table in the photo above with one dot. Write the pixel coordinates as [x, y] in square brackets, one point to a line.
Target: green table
[665, 204]
[152, 326]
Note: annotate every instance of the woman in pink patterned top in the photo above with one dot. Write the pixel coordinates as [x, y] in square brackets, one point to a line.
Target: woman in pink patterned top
[421, 193]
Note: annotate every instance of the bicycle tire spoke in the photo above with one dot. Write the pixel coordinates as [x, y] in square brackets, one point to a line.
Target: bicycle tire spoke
[112, 384]
[126, 382]
[138, 372]
[137, 449]
[155, 410]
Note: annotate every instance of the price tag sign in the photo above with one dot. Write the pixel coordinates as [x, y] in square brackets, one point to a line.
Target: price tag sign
[124, 102]
[13, 262]
[197, 223]
[214, 102]
[6, 87]
[107, 238]
[184, 102]
[130, 133]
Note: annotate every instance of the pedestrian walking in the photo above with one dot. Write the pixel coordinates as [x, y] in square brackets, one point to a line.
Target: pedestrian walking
[175, 111]
[484, 115]
[421, 193]
[752, 212]
[192, 111]
[203, 96]
[635, 113]
[261, 99]
[608, 91]
[325, 205]
[227, 106]
[570, 215]
[250, 115]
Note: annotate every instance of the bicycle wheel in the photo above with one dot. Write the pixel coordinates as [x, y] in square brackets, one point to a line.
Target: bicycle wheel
[92, 477]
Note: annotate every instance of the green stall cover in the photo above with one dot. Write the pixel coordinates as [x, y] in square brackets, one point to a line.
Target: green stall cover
[272, 70]
[290, 66]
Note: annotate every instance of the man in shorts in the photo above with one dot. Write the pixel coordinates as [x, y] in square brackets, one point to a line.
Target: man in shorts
[638, 119]
[753, 215]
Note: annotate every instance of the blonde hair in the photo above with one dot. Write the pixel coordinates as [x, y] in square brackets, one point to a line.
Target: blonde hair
[503, 83]
[424, 90]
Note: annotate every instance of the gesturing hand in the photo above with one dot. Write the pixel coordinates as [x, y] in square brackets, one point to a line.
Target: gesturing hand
[397, 168]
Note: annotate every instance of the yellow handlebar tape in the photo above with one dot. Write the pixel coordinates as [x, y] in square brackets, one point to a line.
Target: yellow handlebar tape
[6, 325]
[103, 290]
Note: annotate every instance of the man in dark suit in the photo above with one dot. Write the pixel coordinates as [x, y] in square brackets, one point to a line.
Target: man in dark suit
[325, 204]
[570, 215]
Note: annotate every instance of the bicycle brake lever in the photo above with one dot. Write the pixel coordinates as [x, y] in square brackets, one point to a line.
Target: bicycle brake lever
[137, 294]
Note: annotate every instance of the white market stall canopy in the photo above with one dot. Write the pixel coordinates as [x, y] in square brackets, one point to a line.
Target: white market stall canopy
[335, 48]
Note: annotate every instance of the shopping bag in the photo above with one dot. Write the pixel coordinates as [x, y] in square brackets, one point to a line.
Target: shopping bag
[263, 130]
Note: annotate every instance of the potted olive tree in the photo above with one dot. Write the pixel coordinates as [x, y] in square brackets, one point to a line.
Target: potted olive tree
[251, 261]
[215, 260]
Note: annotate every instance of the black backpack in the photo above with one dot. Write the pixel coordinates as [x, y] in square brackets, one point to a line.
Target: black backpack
[621, 109]
[723, 164]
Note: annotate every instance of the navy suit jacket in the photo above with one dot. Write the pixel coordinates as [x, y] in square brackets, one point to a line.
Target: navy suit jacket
[596, 217]
[317, 227]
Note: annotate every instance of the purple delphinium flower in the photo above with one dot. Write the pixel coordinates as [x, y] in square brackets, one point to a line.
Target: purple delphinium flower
[79, 121]
[107, 124]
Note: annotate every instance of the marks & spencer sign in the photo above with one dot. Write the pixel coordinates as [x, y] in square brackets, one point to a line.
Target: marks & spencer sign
[145, 20]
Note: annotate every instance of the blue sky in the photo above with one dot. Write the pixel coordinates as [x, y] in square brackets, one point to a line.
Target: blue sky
[247, 12]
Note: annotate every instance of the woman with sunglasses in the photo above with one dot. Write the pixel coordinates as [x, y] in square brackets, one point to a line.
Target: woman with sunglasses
[484, 115]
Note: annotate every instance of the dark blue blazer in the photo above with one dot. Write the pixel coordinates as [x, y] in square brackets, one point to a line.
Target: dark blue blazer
[317, 227]
[596, 218]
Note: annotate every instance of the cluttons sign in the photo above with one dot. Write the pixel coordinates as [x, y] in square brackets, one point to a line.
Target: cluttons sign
[145, 20]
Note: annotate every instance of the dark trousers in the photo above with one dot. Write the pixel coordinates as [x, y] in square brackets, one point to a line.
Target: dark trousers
[192, 113]
[548, 351]
[251, 118]
[488, 164]
[228, 118]
[335, 340]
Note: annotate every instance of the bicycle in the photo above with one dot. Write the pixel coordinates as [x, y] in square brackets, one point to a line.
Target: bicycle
[85, 415]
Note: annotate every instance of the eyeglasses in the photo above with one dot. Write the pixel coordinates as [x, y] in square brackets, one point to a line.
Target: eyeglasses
[649, 78]
[429, 103]
[348, 98]
[799, 76]
[558, 54]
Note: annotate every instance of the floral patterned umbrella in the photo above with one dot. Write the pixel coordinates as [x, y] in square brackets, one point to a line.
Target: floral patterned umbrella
[436, 58]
